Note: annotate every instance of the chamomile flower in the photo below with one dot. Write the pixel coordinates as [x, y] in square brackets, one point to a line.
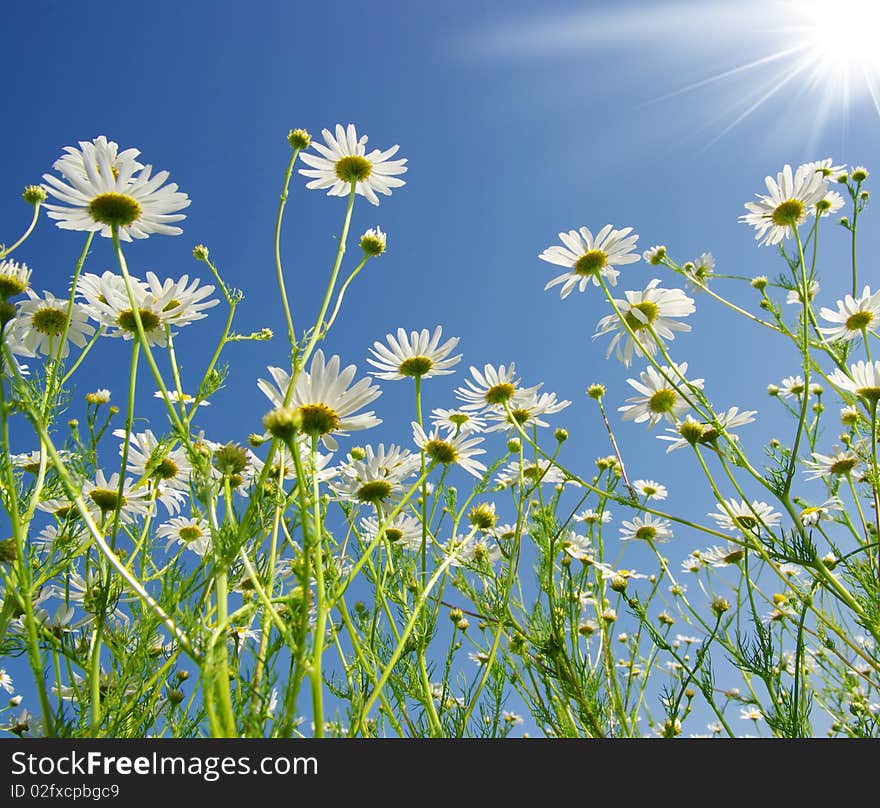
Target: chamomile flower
[651, 314]
[813, 514]
[578, 546]
[791, 199]
[526, 408]
[404, 531]
[186, 300]
[698, 272]
[863, 380]
[6, 681]
[476, 550]
[692, 431]
[457, 420]
[191, 532]
[647, 528]
[593, 517]
[650, 489]
[167, 469]
[177, 398]
[722, 556]
[794, 297]
[102, 498]
[750, 714]
[460, 449]
[103, 188]
[15, 278]
[841, 464]
[344, 162]
[106, 300]
[323, 398]
[853, 317]
[739, 515]
[543, 472]
[659, 395]
[418, 354]
[588, 258]
[378, 477]
[792, 386]
[491, 387]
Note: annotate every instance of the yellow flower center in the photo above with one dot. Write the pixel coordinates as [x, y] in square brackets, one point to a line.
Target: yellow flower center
[648, 308]
[189, 533]
[500, 393]
[318, 419]
[441, 451]
[374, 491]
[591, 263]
[662, 401]
[415, 366]
[106, 499]
[788, 213]
[115, 209]
[353, 168]
[149, 320]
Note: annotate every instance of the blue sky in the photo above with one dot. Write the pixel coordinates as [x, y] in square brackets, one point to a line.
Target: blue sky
[519, 119]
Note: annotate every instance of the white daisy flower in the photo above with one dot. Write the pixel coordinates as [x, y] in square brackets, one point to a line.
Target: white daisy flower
[378, 477]
[490, 387]
[526, 409]
[650, 489]
[655, 254]
[15, 278]
[750, 714]
[30, 461]
[324, 400]
[543, 471]
[853, 316]
[168, 469]
[794, 297]
[176, 398]
[824, 167]
[404, 531]
[577, 546]
[863, 380]
[646, 528]
[186, 301]
[344, 160]
[592, 517]
[658, 398]
[457, 420]
[814, 514]
[590, 258]
[708, 432]
[476, 550]
[107, 302]
[6, 681]
[693, 563]
[829, 204]
[739, 515]
[722, 556]
[192, 533]
[791, 199]
[459, 449]
[840, 464]
[649, 314]
[71, 538]
[102, 498]
[792, 386]
[373, 242]
[418, 354]
[103, 188]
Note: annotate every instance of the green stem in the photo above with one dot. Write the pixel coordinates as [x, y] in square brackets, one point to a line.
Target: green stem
[291, 333]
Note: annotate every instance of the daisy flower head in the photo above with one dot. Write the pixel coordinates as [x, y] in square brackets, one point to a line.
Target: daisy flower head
[741, 516]
[722, 556]
[863, 380]
[41, 323]
[854, 316]
[652, 315]
[841, 464]
[543, 472]
[15, 278]
[646, 528]
[404, 531]
[792, 386]
[791, 197]
[457, 420]
[377, 477]
[526, 408]
[813, 514]
[593, 517]
[325, 402]
[102, 498]
[106, 300]
[418, 354]
[659, 395]
[476, 550]
[460, 449]
[167, 469]
[824, 168]
[342, 163]
[690, 431]
[491, 387]
[192, 533]
[373, 241]
[578, 546]
[103, 189]
[590, 259]
[795, 298]
[186, 301]
[180, 398]
[650, 489]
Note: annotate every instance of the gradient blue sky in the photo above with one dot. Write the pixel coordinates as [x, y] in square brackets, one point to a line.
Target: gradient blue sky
[519, 119]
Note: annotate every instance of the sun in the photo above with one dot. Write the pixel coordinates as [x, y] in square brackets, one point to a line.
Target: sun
[844, 35]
